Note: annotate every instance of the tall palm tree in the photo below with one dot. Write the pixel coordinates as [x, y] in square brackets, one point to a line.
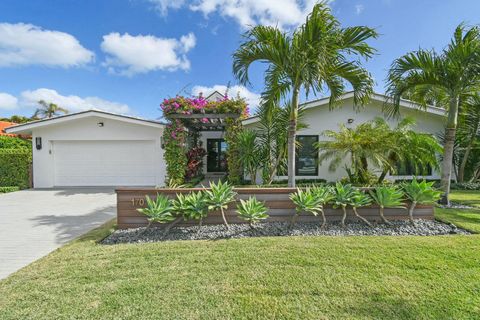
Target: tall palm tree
[48, 110]
[470, 130]
[449, 76]
[318, 55]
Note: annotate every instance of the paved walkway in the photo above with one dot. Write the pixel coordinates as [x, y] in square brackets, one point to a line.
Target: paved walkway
[35, 222]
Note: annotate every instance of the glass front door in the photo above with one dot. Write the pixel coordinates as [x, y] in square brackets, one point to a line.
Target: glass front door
[216, 155]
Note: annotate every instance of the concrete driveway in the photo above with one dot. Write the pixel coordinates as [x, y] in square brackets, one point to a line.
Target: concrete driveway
[35, 222]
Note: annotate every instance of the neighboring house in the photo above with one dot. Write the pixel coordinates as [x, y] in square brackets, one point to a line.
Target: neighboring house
[95, 148]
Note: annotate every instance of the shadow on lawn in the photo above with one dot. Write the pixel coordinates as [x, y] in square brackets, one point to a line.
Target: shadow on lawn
[70, 227]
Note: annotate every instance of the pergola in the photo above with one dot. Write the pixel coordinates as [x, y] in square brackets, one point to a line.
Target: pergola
[204, 121]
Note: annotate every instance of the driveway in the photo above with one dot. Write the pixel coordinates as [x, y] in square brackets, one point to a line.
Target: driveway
[35, 222]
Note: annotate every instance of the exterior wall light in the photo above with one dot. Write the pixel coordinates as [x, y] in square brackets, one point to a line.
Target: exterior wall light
[350, 121]
[38, 143]
[100, 124]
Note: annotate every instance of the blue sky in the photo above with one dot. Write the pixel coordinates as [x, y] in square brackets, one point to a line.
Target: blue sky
[127, 55]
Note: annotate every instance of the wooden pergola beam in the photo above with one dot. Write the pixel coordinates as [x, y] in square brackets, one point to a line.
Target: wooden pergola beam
[203, 115]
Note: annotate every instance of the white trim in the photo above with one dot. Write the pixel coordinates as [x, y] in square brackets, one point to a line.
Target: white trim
[27, 127]
[349, 95]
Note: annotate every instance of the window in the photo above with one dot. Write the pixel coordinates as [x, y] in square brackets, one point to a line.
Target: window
[306, 156]
[216, 155]
[408, 169]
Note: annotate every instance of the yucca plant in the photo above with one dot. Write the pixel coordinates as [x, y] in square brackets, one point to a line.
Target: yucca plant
[420, 193]
[192, 206]
[159, 210]
[219, 196]
[342, 197]
[360, 199]
[252, 210]
[387, 197]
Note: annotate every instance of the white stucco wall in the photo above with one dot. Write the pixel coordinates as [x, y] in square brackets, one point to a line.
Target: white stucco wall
[321, 118]
[87, 129]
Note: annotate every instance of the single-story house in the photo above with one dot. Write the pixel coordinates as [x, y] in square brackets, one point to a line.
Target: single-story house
[96, 148]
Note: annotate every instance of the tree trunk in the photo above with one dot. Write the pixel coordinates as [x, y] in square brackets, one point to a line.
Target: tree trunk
[324, 220]
[344, 209]
[360, 217]
[171, 225]
[224, 218]
[292, 130]
[410, 211]
[294, 220]
[447, 163]
[463, 164]
[384, 220]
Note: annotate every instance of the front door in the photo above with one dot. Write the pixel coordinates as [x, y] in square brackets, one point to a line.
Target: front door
[216, 155]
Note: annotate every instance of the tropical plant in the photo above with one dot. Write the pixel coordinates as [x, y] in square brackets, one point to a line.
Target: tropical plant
[193, 206]
[376, 143]
[387, 197]
[469, 130]
[195, 162]
[174, 142]
[48, 110]
[219, 196]
[252, 210]
[342, 197]
[160, 210]
[311, 200]
[319, 54]
[445, 78]
[360, 199]
[250, 155]
[419, 193]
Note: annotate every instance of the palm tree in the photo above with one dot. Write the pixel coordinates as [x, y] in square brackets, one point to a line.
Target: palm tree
[48, 110]
[319, 54]
[469, 130]
[449, 77]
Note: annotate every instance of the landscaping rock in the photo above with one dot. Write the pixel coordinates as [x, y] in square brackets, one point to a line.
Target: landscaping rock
[273, 229]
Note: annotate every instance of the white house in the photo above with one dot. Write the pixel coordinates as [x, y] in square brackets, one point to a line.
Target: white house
[95, 148]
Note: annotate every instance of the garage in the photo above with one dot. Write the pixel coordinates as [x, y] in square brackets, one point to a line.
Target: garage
[104, 163]
[95, 148]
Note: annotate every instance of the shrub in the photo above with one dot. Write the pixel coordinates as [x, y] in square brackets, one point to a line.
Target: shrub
[465, 186]
[360, 199]
[174, 139]
[195, 162]
[311, 200]
[159, 210]
[342, 197]
[252, 210]
[219, 196]
[387, 197]
[8, 189]
[7, 142]
[420, 192]
[15, 167]
[192, 206]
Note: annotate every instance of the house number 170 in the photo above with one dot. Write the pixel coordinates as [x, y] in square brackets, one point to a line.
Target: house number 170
[138, 202]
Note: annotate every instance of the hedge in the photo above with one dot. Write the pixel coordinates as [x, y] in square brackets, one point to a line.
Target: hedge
[8, 189]
[14, 167]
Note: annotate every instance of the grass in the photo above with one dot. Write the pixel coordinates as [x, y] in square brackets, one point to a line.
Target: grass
[465, 218]
[257, 278]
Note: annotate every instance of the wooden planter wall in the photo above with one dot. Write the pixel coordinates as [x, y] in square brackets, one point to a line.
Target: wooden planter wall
[281, 208]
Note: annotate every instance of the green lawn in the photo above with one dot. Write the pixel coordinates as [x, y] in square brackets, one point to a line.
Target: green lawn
[271, 278]
[465, 218]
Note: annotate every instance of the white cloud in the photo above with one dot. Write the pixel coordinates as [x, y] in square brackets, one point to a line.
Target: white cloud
[7, 101]
[129, 55]
[359, 8]
[71, 103]
[26, 44]
[252, 98]
[284, 13]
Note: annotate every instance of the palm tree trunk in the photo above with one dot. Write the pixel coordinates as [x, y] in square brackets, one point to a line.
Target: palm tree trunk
[292, 130]
[224, 218]
[463, 164]
[410, 210]
[360, 217]
[447, 163]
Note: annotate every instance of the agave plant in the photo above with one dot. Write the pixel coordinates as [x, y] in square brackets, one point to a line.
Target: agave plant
[342, 197]
[360, 199]
[387, 197]
[311, 200]
[158, 210]
[420, 193]
[252, 210]
[219, 196]
[192, 206]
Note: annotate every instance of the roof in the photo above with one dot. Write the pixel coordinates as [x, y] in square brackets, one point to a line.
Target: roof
[215, 95]
[26, 128]
[6, 124]
[375, 97]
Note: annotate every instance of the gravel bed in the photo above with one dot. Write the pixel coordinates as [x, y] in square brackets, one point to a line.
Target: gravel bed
[456, 205]
[271, 229]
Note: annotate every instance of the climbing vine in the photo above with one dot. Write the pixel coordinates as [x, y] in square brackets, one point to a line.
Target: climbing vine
[174, 140]
[235, 170]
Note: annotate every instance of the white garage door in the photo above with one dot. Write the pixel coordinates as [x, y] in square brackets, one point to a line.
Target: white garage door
[104, 163]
